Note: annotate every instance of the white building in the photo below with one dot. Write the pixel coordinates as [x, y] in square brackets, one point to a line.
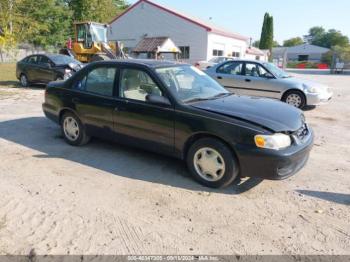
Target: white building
[304, 52]
[196, 39]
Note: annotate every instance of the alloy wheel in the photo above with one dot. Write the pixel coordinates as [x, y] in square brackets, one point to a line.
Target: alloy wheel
[209, 164]
[24, 80]
[294, 100]
[71, 128]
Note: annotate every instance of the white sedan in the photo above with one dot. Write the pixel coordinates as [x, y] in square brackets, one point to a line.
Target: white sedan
[256, 78]
[203, 65]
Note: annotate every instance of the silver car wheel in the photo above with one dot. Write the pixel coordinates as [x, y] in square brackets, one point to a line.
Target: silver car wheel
[24, 80]
[209, 164]
[71, 128]
[294, 100]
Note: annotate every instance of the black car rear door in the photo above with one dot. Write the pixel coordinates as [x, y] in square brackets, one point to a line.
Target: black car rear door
[92, 97]
[30, 69]
[138, 121]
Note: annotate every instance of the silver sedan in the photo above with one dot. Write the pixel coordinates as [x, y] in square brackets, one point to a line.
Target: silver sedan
[255, 78]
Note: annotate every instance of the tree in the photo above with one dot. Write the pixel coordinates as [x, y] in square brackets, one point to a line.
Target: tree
[316, 32]
[293, 42]
[46, 22]
[275, 44]
[266, 39]
[96, 10]
[256, 43]
[320, 37]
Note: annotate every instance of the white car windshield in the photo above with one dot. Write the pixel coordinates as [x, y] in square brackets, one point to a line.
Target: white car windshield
[190, 84]
[215, 60]
[279, 73]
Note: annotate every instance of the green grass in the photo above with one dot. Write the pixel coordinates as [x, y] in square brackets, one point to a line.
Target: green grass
[8, 75]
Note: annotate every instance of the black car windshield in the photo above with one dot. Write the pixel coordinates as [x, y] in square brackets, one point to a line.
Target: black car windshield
[190, 84]
[279, 73]
[63, 59]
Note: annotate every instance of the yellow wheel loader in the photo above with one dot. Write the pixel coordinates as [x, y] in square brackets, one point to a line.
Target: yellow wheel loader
[90, 44]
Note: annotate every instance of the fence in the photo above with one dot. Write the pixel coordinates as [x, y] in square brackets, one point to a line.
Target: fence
[22, 51]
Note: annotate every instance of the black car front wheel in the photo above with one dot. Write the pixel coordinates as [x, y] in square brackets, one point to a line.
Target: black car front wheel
[24, 80]
[212, 163]
[73, 130]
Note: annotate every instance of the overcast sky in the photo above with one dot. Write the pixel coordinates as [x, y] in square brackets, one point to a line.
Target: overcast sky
[292, 17]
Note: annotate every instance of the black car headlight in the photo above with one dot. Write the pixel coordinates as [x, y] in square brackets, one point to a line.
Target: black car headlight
[276, 141]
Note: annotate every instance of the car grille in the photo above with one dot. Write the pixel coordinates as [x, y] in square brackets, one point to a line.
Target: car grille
[302, 133]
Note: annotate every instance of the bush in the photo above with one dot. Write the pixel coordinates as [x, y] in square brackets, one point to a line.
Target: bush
[302, 64]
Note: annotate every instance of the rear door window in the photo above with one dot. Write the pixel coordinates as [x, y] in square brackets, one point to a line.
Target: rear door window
[99, 81]
[32, 59]
[231, 68]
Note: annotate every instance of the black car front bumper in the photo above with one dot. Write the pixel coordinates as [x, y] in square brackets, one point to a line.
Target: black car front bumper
[274, 164]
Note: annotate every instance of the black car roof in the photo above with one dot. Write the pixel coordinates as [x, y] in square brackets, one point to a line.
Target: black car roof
[144, 62]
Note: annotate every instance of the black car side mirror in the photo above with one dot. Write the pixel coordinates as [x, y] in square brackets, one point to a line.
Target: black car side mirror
[159, 100]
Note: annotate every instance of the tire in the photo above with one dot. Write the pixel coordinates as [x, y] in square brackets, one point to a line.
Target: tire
[96, 58]
[73, 130]
[24, 80]
[220, 168]
[295, 98]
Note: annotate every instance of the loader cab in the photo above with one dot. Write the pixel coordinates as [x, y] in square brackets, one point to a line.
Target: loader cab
[89, 33]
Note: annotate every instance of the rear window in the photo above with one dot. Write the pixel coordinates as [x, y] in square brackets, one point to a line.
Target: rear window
[63, 59]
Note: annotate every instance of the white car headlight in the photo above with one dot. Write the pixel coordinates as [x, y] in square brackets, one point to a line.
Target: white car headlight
[311, 89]
[277, 141]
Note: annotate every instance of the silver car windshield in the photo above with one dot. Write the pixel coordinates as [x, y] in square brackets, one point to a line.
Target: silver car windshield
[190, 84]
[279, 73]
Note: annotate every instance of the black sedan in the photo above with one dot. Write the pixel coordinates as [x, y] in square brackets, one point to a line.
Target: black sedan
[44, 68]
[178, 110]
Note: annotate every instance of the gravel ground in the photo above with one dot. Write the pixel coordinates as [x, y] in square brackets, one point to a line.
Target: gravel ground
[105, 198]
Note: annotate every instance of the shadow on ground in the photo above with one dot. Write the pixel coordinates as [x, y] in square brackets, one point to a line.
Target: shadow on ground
[16, 84]
[338, 198]
[40, 134]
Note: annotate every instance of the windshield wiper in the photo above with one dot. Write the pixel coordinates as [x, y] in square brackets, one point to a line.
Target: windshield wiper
[196, 99]
[222, 95]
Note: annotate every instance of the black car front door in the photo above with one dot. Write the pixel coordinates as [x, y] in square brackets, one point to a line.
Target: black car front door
[45, 72]
[92, 97]
[138, 121]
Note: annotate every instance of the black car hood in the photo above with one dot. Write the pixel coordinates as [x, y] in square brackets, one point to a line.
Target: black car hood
[268, 113]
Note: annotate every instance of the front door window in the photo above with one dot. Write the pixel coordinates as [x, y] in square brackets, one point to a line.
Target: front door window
[136, 85]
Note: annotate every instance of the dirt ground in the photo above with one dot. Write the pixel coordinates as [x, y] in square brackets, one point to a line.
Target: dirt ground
[104, 198]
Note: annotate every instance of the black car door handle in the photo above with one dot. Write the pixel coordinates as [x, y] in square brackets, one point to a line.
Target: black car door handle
[219, 77]
[248, 80]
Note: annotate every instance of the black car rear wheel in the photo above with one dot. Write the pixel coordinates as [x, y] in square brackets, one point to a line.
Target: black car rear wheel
[24, 80]
[212, 163]
[73, 130]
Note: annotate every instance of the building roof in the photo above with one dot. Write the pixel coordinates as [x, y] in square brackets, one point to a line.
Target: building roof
[208, 26]
[150, 44]
[255, 51]
[300, 49]
[156, 44]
